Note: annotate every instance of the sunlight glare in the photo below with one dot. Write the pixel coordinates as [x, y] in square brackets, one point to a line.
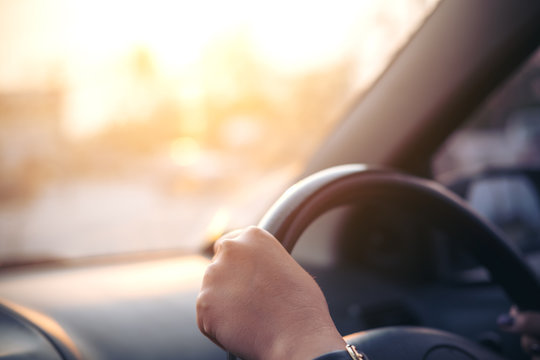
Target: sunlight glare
[185, 151]
[97, 42]
[175, 32]
[218, 224]
[302, 34]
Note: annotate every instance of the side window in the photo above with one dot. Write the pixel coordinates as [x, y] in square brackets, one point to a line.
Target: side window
[493, 161]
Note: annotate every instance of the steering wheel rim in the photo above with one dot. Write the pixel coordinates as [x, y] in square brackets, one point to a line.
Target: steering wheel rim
[308, 199]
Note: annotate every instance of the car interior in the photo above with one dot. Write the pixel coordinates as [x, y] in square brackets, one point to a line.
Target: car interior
[408, 247]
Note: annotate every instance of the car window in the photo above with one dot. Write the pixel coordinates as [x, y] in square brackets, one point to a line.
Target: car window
[154, 125]
[493, 161]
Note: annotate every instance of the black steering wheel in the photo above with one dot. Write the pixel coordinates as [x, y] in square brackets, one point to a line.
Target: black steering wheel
[349, 184]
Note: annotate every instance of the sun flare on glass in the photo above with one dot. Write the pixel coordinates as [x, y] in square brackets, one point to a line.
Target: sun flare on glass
[179, 114]
[185, 151]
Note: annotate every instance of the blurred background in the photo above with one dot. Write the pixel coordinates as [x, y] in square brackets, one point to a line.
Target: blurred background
[131, 126]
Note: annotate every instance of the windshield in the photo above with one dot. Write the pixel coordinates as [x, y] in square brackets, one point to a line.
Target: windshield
[152, 125]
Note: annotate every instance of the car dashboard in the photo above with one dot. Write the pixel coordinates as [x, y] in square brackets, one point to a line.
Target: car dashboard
[140, 308]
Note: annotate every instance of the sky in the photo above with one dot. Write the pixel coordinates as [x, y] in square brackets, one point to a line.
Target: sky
[81, 43]
[53, 32]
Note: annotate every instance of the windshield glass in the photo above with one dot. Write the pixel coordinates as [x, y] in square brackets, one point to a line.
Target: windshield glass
[151, 125]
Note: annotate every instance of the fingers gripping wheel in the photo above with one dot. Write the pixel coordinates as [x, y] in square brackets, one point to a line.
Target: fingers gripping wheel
[349, 184]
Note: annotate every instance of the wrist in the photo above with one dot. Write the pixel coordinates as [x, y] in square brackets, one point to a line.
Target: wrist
[306, 345]
[350, 353]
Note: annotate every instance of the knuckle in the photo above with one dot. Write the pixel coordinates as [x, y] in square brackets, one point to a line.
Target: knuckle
[209, 275]
[231, 248]
[202, 323]
[204, 313]
[227, 245]
[202, 302]
[199, 308]
[204, 307]
[228, 236]
[249, 237]
[254, 232]
[256, 236]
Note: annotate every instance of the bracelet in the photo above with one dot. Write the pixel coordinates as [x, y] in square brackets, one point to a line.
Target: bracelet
[355, 354]
[349, 353]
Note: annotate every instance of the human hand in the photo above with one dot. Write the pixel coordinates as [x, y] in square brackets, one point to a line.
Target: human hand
[258, 303]
[526, 323]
